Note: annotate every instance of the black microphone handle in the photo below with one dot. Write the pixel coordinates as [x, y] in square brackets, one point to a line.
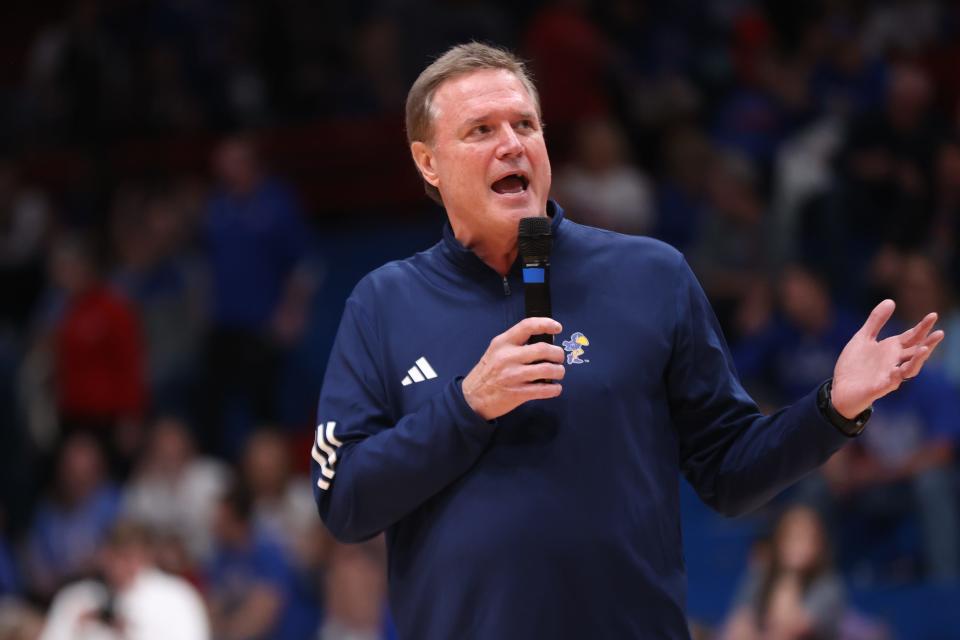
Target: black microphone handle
[536, 296]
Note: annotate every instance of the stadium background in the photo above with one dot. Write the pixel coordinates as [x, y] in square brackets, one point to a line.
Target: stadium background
[804, 156]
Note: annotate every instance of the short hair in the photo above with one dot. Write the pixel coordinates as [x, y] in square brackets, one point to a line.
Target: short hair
[126, 534]
[457, 61]
[238, 499]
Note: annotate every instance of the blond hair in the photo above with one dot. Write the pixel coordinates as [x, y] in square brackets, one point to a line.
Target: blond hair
[457, 61]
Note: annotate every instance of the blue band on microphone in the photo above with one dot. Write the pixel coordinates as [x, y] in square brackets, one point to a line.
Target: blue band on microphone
[533, 275]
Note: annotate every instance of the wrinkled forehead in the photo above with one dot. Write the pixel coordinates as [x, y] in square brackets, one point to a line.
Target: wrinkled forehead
[477, 93]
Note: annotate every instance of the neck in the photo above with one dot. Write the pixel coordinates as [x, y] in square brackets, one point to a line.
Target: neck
[498, 259]
[498, 253]
[497, 250]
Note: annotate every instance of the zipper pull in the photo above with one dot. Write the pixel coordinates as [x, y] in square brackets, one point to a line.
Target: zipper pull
[506, 286]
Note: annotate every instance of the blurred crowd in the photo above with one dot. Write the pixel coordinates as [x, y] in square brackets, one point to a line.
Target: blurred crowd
[805, 156]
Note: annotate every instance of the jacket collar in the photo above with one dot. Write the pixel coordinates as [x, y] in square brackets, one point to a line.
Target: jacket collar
[467, 259]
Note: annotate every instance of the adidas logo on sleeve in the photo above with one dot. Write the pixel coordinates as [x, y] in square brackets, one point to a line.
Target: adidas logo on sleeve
[420, 371]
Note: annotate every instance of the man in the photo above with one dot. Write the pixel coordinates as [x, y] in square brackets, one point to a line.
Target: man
[262, 279]
[134, 601]
[252, 589]
[517, 508]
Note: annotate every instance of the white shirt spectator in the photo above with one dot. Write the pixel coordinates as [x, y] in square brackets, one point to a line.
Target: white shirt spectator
[156, 606]
[181, 505]
[619, 199]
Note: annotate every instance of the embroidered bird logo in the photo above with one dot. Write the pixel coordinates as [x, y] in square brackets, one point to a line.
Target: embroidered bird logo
[574, 346]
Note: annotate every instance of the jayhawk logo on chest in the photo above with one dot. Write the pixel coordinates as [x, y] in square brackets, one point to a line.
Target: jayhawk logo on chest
[575, 348]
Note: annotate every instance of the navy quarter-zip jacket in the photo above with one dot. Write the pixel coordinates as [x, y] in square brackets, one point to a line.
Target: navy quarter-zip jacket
[560, 519]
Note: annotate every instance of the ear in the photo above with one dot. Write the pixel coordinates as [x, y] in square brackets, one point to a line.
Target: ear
[426, 162]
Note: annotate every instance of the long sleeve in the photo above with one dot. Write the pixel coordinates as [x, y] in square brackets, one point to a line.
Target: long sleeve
[734, 457]
[130, 387]
[369, 468]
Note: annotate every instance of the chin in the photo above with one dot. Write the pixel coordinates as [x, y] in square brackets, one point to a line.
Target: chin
[519, 207]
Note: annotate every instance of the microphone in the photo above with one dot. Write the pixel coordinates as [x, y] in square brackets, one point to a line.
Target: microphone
[535, 241]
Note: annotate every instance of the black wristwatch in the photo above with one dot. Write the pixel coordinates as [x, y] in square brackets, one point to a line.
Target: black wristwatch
[846, 426]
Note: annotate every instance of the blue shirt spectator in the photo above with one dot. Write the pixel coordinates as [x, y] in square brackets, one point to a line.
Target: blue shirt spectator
[255, 241]
[903, 463]
[235, 572]
[789, 360]
[253, 590]
[797, 349]
[923, 410]
[68, 528]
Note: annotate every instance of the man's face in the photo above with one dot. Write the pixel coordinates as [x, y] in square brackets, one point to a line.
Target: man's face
[487, 156]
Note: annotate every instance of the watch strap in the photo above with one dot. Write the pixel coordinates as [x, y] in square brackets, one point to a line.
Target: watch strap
[847, 426]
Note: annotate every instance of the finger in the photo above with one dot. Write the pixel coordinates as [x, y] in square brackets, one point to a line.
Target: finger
[519, 333]
[543, 371]
[907, 354]
[878, 317]
[934, 339]
[915, 335]
[541, 391]
[912, 367]
[930, 343]
[541, 352]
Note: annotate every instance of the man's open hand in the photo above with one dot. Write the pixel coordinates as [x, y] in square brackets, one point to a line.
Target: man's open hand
[507, 374]
[868, 369]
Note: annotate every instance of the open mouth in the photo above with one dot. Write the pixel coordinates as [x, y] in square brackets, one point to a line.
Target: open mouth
[511, 184]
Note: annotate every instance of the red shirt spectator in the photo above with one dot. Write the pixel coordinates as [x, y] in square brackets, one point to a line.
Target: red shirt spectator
[99, 358]
[569, 57]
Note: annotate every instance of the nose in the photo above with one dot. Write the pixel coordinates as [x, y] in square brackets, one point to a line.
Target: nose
[509, 144]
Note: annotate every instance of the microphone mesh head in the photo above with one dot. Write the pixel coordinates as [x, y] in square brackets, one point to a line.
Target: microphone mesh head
[536, 237]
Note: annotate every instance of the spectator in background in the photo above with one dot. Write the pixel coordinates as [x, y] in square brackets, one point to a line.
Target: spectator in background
[681, 193]
[920, 281]
[769, 103]
[169, 101]
[798, 346]
[846, 81]
[903, 465]
[19, 620]
[731, 253]
[249, 581]
[376, 83]
[156, 274]
[98, 356]
[135, 600]
[356, 588]
[946, 235]
[78, 77]
[24, 223]
[885, 189]
[70, 524]
[283, 503]
[601, 187]
[24, 219]
[793, 592]
[570, 59]
[257, 243]
[901, 27]
[284, 511]
[174, 490]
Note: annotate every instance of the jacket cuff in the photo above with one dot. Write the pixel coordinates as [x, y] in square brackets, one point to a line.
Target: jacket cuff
[818, 426]
[467, 420]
